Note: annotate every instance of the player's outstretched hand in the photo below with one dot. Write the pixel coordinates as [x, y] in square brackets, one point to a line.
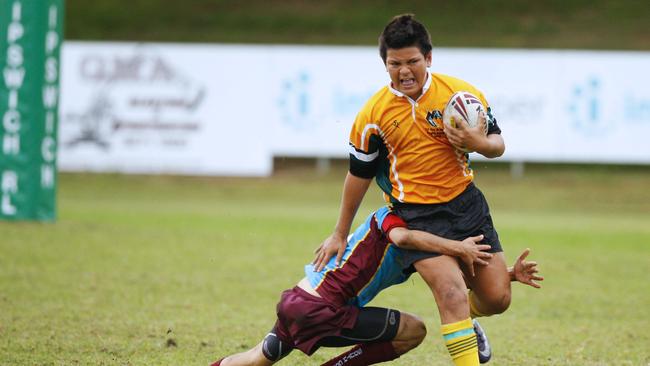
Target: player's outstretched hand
[334, 244]
[471, 252]
[525, 271]
[465, 137]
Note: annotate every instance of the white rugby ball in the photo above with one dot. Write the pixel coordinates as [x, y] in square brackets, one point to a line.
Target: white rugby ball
[463, 106]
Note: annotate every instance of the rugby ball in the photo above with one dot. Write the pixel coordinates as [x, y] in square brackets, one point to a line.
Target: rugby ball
[463, 106]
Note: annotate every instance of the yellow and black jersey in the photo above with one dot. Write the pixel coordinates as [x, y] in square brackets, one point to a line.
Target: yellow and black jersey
[401, 142]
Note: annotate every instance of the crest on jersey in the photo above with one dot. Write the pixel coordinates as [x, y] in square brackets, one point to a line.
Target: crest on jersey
[434, 117]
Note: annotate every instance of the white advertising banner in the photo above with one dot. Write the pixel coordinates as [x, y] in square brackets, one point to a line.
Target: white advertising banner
[228, 109]
[153, 108]
[562, 106]
[316, 93]
[553, 106]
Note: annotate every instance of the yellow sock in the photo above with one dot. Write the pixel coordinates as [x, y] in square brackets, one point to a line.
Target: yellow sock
[473, 309]
[461, 342]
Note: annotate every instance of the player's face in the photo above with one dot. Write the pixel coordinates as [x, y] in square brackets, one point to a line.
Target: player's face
[407, 68]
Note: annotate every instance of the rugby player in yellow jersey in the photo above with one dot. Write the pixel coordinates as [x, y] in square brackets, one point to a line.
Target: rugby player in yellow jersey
[328, 308]
[399, 139]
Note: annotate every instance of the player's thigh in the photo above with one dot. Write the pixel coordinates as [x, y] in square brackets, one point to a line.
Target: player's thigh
[442, 274]
[373, 324]
[491, 284]
[445, 279]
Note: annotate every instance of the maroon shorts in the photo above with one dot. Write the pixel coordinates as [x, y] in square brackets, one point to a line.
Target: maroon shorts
[304, 319]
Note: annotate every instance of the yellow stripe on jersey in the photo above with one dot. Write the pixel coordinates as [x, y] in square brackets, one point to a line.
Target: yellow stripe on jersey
[376, 271]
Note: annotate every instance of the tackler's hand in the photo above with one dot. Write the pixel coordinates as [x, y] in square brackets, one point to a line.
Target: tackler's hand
[471, 253]
[525, 271]
[334, 244]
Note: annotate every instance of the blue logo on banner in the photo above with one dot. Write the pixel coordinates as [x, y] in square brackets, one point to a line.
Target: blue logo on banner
[347, 103]
[585, 108]
[294, 101]
[637, 109]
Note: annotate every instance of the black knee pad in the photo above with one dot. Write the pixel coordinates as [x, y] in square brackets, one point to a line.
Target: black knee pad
[273, 348]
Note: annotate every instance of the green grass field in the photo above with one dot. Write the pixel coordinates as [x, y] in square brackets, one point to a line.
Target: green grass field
[180, 271]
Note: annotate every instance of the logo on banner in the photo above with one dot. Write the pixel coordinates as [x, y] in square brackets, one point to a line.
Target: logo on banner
[307, 104]
[295, 101]
[136, 98]
[637, 109]
[586, 108]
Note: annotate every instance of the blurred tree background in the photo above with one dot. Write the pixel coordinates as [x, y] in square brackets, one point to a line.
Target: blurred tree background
[555, 24]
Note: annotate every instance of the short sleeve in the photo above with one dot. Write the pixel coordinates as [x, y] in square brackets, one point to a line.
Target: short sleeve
[365, 143]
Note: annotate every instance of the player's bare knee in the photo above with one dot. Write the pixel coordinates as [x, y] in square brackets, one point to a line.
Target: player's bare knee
[503, 303]
[453, 297]
[499, 303]
[412, 333]
[418, 329]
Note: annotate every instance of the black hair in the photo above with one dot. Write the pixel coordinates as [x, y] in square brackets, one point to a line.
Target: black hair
[404, 31]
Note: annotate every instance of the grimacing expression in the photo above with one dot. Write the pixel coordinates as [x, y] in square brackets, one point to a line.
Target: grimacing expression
[407, 68]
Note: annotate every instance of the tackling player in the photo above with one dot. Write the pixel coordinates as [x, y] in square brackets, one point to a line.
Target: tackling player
[326, 308]
[399, 139]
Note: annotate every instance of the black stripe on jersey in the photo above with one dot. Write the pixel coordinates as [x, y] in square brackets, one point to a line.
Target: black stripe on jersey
[366, 169]
[362, 169]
